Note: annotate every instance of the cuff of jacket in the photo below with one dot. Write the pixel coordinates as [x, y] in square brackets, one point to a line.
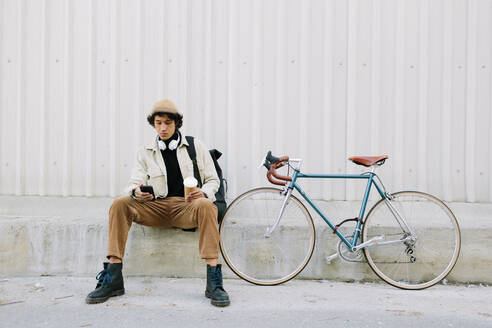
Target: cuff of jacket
[209, 195]
[129, 190]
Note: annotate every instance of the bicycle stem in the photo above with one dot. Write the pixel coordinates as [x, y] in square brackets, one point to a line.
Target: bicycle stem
[269, 231]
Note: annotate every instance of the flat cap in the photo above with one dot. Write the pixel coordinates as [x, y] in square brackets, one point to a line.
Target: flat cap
[165, 106]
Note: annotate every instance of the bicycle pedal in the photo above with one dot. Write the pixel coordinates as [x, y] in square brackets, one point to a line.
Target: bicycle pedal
[331, 258]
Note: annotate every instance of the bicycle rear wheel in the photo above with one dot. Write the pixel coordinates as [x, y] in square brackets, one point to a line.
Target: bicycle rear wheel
[262, 259]
[432, 240]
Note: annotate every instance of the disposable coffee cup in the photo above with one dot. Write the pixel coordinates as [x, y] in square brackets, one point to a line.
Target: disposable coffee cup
[190, 184]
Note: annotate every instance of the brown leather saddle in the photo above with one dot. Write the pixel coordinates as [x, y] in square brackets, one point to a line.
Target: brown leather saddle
[368, 160]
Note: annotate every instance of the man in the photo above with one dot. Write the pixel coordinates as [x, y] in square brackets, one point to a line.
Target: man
[163, 164]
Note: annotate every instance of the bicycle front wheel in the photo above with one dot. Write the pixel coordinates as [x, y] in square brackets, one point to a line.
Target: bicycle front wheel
[418, 236]
[255, 253]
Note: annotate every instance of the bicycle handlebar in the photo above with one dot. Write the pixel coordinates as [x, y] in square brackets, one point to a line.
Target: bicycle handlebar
[273, 163]
[269, 160]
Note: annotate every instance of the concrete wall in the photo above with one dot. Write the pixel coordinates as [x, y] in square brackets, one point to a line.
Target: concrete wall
[317, 79]
[68, 236]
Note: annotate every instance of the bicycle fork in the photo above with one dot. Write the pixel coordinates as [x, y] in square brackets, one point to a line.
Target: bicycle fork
[269, 231]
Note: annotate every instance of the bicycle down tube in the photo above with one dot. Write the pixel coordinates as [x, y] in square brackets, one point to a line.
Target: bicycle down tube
[370, 181]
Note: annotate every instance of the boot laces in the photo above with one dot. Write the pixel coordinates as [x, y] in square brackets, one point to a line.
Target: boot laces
[104, 277]
[217, 279]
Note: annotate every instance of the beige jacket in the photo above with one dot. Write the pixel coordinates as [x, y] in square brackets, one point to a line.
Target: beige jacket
[151, 170]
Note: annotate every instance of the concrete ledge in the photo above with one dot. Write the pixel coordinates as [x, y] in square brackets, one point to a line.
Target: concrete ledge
[68, 236]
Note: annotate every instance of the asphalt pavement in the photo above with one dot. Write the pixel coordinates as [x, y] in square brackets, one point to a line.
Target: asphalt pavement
[164, 302]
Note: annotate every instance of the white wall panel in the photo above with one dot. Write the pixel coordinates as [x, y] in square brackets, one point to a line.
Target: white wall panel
[317, 79]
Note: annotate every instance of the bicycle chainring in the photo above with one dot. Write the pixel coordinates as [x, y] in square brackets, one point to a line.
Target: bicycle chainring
[346, 254]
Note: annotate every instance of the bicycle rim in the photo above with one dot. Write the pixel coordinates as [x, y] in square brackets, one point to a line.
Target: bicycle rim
[265, 260]
[414, 264]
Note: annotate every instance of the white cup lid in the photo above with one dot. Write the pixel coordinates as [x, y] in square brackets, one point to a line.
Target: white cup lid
[190, 182]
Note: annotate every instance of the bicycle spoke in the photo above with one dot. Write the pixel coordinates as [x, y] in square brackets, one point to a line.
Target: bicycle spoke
[423, 261]
[273, 259]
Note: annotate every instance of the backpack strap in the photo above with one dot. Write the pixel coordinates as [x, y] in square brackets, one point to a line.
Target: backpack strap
[192, 153]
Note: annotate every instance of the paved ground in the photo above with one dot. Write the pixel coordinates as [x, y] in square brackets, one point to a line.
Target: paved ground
[163, 302]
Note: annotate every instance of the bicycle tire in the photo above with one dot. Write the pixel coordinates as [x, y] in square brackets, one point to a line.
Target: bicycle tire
[412, 264]
[256, 258]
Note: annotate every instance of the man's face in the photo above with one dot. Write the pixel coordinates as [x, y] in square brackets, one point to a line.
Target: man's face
[164, 126]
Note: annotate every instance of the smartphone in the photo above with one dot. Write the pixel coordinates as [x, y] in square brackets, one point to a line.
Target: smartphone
[148, 189]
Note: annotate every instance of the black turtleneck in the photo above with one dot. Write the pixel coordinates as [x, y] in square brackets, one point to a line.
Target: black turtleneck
[174, 176]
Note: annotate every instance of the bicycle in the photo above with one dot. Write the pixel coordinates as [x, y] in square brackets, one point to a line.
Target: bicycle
[410, 239]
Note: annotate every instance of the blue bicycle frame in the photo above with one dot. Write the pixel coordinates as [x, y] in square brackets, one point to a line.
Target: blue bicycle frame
[370, 181]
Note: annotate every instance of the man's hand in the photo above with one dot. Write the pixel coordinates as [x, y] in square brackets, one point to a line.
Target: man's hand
[195, 194]
[142, 196]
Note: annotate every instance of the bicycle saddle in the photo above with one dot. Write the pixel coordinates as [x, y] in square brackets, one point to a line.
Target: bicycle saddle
[368, 160]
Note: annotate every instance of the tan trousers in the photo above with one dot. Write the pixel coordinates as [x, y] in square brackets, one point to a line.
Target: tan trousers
[164, 213]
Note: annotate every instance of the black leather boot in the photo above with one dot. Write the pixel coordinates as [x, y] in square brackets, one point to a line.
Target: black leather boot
[215, 289]
[110, 283]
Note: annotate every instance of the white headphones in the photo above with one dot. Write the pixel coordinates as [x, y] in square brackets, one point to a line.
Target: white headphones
[172, 145]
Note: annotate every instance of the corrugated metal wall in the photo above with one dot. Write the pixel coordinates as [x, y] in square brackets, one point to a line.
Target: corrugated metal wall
[319, 79]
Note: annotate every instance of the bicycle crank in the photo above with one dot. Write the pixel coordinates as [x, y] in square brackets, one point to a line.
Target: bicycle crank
[347, 254]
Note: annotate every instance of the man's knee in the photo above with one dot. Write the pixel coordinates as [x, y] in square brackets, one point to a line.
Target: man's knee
[206, 210]
[120, 203]
[203, 203]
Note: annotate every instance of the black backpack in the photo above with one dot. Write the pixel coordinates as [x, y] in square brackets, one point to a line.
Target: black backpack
[219, 195]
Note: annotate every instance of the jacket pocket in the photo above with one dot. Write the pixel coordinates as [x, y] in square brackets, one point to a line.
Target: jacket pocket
[158, 181]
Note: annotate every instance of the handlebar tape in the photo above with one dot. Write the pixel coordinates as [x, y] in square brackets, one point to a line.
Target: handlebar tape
[272, 163]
